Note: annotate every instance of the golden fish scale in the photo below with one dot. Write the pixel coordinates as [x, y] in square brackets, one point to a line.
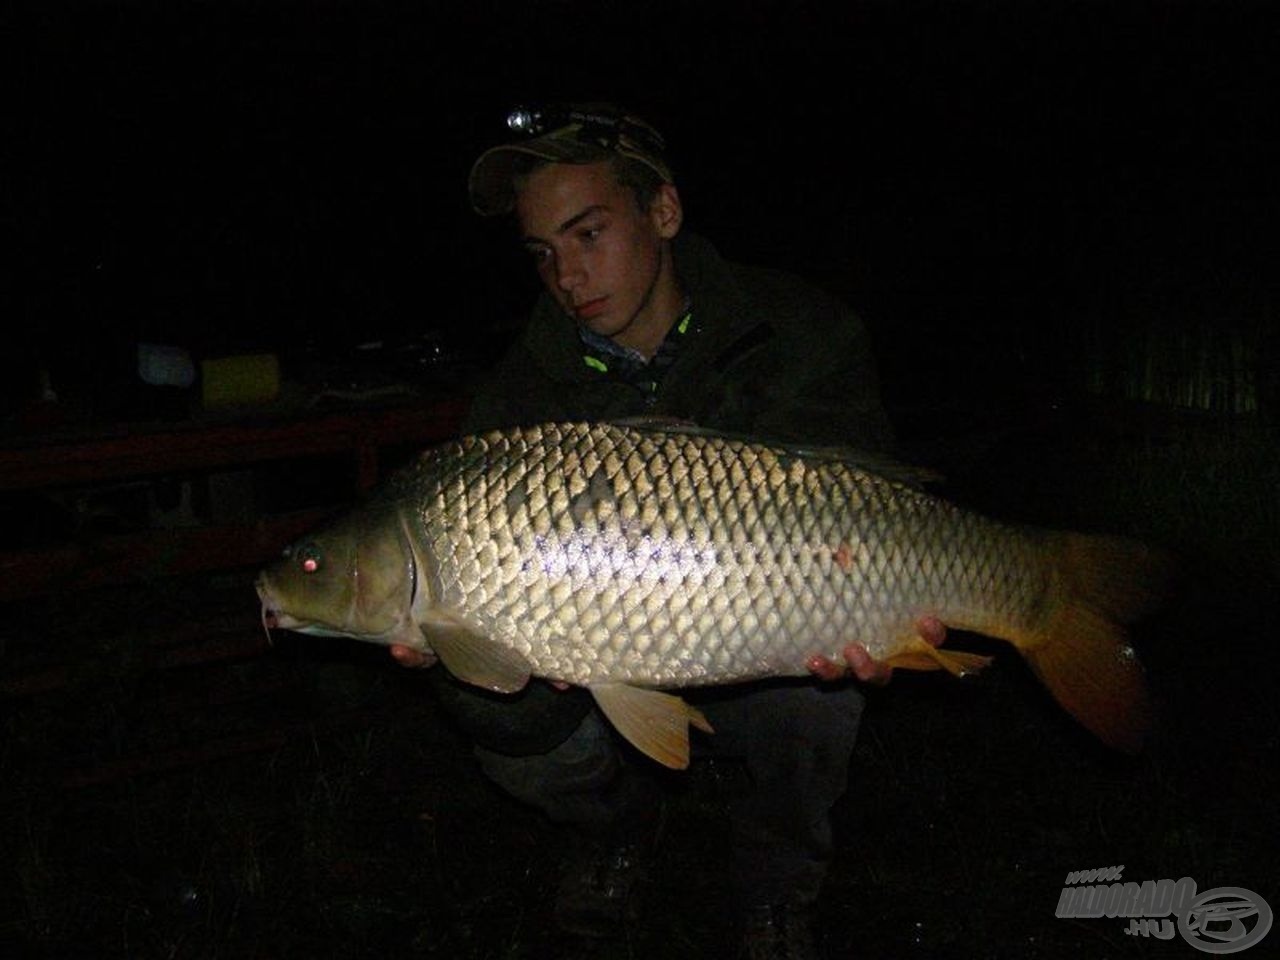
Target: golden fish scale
[607, 553]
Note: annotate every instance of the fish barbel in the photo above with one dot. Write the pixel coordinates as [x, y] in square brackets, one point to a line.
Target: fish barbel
[631, 557]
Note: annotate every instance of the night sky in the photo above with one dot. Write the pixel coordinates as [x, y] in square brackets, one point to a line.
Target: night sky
[972, 177]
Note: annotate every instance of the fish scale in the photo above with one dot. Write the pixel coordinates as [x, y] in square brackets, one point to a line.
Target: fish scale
[719, 566]
[630, 557]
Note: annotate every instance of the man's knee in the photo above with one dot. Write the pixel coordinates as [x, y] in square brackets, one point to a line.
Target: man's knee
[583, 780]
[533, 721]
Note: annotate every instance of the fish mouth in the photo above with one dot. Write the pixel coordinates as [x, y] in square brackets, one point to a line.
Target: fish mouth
[273, 618]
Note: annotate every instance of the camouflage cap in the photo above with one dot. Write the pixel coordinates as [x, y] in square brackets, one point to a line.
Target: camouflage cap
[577, 133]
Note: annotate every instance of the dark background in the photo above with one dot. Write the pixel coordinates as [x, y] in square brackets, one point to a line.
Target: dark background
[1058, 221]
[978, 178]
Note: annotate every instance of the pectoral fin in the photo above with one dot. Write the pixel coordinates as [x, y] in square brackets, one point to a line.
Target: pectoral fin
[920, 654]
[655, 723]
[471, 656]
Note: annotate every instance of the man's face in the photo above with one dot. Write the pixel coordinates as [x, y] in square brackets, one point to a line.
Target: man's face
[604, 259]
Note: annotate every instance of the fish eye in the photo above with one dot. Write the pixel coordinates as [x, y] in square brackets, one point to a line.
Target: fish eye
[308, 556]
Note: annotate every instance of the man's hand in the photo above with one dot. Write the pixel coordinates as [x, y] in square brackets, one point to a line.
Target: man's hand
[858, 662]
[409, 657]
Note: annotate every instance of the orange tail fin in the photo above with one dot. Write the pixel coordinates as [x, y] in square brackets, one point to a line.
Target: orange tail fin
[1081, 652]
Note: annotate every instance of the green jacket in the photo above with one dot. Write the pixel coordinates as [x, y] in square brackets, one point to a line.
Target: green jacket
[766, 355]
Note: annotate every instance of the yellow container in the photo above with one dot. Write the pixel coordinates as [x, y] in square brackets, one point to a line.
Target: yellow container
[240, 380]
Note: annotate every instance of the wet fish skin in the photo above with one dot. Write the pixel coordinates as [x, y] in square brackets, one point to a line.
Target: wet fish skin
[624, 558]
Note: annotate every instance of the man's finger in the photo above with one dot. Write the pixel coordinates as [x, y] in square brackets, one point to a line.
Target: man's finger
[933, 630]
[409, 657]
[864, 667]
[826, 669]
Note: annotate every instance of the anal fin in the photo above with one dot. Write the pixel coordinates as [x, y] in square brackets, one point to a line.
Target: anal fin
[920, 654]
[656, 723]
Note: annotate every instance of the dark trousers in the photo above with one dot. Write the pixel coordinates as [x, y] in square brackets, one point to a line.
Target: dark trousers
[795, 739]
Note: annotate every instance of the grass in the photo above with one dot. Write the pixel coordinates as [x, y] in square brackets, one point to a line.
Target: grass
[311, 801]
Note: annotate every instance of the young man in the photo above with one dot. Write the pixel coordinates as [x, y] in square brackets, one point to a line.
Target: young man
[640, 318]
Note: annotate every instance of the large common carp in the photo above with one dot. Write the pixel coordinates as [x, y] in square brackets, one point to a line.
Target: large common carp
[627, 557]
